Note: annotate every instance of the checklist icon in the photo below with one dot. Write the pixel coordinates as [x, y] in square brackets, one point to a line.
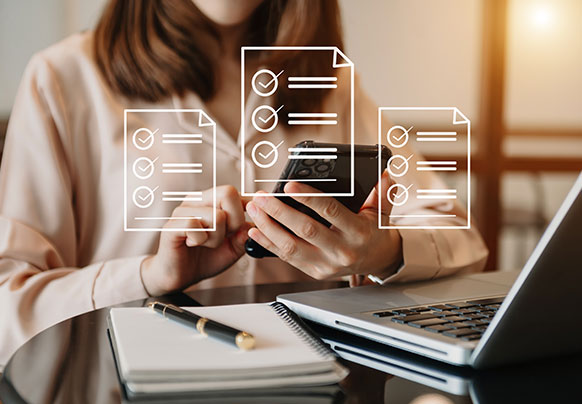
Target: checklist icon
[155, 169]
[268, 114]
[411, 202]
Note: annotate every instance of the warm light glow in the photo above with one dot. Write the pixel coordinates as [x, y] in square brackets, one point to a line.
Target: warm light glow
[542, 16]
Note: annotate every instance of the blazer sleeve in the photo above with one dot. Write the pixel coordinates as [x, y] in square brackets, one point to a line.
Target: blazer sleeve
[40, 283]
[427, 253]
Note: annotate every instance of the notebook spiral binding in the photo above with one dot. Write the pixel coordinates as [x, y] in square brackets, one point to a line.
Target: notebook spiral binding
[302, 330]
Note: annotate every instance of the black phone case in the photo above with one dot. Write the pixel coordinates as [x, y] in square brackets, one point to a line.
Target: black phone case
[366, 177]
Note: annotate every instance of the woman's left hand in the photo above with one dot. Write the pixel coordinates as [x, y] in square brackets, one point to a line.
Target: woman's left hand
[352, 245]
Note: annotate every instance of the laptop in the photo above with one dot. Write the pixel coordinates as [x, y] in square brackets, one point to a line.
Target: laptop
[479, 320]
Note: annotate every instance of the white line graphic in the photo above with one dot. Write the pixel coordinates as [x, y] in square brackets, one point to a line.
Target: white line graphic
[181, 193]
[313, 149]
[432, 136]
[312, 115]
[301, 180]
[321, 119]
[185, 141]
[181, 171]
[443, 215]
[184, 135]
[436, 194]
[297, 86]
[310, 78]
[182, 165]
[303, 122]
[413, 116]
[168, 218]
[436, 165]
[436, 197]
[312, 156]
[436, 191]
[436, 133]
[173, 196]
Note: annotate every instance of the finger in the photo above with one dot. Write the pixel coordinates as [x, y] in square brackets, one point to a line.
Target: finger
[299, 223]
[174, 236]
[216, 237]
[192, 220]
[380, 191]
[288, 247]
[385, 183]
[326, 206]
[232, 248]
[228, 199]
[245, 200]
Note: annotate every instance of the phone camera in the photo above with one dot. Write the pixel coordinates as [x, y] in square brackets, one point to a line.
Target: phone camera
[308, 162]
[304, 172]
[321, 168]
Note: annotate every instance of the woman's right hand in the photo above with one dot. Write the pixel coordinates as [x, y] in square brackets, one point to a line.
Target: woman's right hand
[187, 257]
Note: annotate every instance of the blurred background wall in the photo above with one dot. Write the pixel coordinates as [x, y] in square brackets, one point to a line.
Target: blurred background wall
[514, 67]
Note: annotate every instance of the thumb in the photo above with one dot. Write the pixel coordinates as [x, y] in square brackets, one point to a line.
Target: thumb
[380, 191]
[231, 249]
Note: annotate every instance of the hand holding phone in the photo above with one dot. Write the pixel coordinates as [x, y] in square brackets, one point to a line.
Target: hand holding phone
[338, 170]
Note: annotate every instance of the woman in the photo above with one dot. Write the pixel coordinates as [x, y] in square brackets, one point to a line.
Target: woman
[62, 246]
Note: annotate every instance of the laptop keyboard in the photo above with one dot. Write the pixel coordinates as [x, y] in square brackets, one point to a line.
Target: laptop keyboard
[466, 320]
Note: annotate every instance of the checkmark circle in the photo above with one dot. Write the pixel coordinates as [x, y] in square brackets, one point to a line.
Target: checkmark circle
[259, 160]
[143, 197]
[397, 136]
[143, 138]
[397, 166]
[400, 196]
[143, 168]
[272, 116]
[268, 79]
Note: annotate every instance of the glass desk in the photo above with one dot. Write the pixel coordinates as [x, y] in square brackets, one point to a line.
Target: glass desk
[72, 362]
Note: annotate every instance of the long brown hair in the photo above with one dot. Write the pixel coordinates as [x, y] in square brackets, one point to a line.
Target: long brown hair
[151, 49]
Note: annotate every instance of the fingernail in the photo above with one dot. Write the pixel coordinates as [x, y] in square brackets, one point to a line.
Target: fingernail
[291, 187]
[252, 209]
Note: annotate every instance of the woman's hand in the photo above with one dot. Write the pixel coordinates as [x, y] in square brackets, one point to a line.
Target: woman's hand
[187, 257]
[352, 245]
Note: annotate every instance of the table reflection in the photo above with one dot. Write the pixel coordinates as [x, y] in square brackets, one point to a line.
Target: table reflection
[72, 362]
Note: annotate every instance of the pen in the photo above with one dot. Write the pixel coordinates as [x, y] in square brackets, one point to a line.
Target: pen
[205, 326]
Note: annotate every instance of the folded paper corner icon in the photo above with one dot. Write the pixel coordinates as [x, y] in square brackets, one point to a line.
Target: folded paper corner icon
[205, 120]
[341, 60]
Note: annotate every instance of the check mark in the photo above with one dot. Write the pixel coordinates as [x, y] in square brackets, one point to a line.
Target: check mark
[399, 166]
[399, 138]
[143, 197]
[148, 194]
[271, 116]
[401, 194]
[404, 134]
[271, 81]
[148, 138]
[147, 165]
[266, 156]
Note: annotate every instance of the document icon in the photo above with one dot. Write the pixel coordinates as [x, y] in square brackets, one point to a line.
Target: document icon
[263, 149]
[165, 165]
[436, 131]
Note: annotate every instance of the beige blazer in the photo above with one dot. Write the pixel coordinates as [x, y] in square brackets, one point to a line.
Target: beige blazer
[63, 249]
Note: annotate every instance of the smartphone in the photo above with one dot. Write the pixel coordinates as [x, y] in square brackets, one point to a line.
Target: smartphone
[337, 172]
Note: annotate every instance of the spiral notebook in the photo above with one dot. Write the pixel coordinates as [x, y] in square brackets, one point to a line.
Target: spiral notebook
[157, 355]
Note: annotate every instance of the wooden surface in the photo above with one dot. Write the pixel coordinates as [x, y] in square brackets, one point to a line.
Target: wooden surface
[491, 128]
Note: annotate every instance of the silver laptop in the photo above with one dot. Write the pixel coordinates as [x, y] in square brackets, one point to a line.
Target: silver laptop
[480, 320]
